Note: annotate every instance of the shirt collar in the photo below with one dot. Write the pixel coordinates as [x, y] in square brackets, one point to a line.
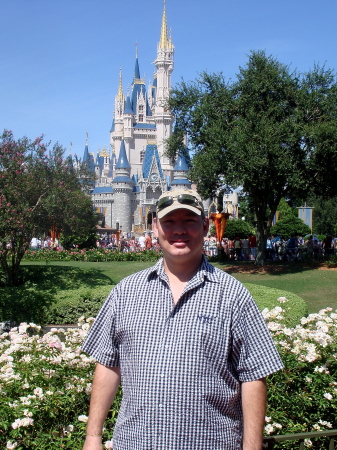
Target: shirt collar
[205, 271]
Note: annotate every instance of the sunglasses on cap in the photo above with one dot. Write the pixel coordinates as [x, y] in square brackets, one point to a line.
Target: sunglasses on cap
[184, 199]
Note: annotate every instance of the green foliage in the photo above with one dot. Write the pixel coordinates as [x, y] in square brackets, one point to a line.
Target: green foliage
[68, 305]
[302, 397]
[332, 261]
[54, 294]
[324, 214]
[285, 210]
[289, 226]
[265, 297]
[246, 208]
[271, 131]
[39, 191]
[91, 255]
[238, 227]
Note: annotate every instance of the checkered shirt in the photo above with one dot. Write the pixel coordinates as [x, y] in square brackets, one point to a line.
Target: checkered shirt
[182, 365]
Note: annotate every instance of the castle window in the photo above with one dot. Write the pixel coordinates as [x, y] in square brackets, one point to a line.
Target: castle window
[142, 153]
[141, 113]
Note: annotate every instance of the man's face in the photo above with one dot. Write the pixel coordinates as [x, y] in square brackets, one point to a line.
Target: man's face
[181, 233]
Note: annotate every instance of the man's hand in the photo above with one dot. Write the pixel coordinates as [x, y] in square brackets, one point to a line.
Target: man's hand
[93, 443]
[104, 387]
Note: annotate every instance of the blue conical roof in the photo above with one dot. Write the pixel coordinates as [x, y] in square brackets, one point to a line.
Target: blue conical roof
[181, 163]
[88, 159]
[122, 162]
[86, 155]
[128, 107]
[137, 72]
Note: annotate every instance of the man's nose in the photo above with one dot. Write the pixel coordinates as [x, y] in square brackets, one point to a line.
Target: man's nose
[179, 227]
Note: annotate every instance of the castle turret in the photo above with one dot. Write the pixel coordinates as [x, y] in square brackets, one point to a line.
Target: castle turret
[123, 191]
[88, 158]
[180, 173]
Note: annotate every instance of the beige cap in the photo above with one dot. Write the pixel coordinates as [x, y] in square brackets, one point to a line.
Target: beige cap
[179, 199]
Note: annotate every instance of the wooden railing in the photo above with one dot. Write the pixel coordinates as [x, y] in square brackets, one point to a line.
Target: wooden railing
[270, 441]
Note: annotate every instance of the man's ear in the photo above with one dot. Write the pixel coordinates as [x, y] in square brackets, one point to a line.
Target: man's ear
[154, 226]
[206, 226]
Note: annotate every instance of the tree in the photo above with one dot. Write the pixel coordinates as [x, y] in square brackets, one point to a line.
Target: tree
[324, 215]
[38, 191]
[272, 132]
[289, 226]
[285, 211]
[238, 227]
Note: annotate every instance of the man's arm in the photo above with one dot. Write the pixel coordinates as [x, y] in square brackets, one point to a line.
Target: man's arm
[104, 387]
[254, 401]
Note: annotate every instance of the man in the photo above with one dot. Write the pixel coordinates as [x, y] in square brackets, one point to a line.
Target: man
[253, 245]
[188, 344]
[245, 247]
[148, 242]
[142, 241]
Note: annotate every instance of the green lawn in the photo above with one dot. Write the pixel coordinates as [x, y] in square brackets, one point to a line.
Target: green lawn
[317, 287]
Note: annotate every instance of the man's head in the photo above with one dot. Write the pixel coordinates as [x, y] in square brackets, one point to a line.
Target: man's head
[179, 199]
[181, 226]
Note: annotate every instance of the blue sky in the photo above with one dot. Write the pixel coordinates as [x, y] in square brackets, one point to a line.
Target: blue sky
[60, 59]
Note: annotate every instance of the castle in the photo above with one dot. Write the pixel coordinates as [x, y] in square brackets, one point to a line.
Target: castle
[130, 179]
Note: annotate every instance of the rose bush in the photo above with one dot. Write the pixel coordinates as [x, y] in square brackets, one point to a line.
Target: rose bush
[45, 383]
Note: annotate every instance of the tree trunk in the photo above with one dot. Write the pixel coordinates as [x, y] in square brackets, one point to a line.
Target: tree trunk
[16, 253]
[261, 246]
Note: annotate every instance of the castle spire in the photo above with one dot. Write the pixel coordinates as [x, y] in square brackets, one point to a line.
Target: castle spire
[164, 40]
[137, 71]
[120, 95]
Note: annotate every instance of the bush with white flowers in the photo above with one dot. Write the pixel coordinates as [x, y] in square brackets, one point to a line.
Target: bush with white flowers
[45, 383]
[303, 397]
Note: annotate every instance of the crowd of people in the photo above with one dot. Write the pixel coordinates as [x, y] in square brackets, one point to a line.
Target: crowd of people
[129, 243]
[237, 248]
[48, 242]
[277, 248]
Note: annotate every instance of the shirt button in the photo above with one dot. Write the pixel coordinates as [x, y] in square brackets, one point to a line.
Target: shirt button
[160, 405]
[162, 375]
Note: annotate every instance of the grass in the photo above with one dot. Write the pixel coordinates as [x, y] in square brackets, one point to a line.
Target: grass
[294, 309]
[58, 280]
[317, 287]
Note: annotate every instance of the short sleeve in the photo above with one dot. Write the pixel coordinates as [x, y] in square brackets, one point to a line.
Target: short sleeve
[254, 353]
[101, 341]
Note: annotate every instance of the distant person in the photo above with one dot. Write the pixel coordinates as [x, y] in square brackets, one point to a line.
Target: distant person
[252, 244]
[327, 245]
[148, 242]
[237, 247]
[33, 243]
[142, 241]
[245, 248]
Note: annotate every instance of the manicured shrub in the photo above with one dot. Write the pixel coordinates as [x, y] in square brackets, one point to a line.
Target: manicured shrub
[294, 306]
[54, 294]
[92, 255]
[68, 305]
